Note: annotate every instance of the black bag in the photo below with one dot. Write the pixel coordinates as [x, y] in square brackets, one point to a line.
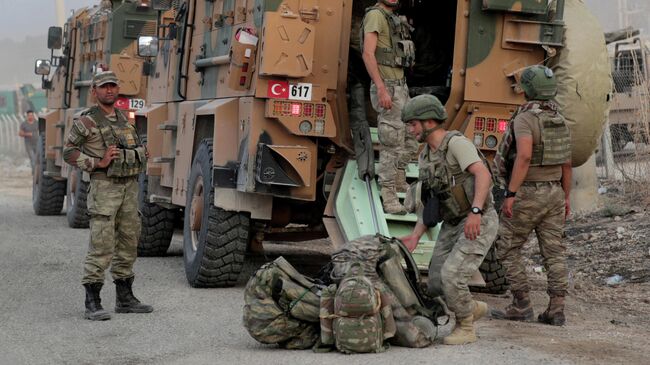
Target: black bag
[431, 215]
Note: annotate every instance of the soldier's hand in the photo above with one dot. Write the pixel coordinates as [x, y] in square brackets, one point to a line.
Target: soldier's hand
[111, 153]
[410, 241]
[506, 208]
[567, 208]
[385, 99]
[473, 226]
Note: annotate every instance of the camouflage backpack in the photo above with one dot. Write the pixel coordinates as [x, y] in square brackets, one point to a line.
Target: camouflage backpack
[282, 306]
[355, 318]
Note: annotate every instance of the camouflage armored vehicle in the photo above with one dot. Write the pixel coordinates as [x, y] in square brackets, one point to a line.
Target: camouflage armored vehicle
[104, 36]
[247, 117]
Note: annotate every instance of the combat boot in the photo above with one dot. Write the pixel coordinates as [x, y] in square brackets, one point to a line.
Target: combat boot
[519, 310]
[391, 202]
[554, 314]
[463, 332]
[480, 310]
[125, 301]
[94, 309]
[400, 181]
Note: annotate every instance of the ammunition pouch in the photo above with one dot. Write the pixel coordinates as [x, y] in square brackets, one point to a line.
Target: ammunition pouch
[129, 162]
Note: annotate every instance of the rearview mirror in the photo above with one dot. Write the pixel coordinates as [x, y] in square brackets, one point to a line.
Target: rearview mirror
[54, 38]
[147, 46]
[42, 67]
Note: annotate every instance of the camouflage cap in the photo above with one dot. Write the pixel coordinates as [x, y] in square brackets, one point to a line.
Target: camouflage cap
[105, 77]
[424, 107]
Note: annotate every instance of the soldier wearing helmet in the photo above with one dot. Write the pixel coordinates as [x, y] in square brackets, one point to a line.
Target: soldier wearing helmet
[456, 177]
[387, 51]
[105, 146]
[534, 164]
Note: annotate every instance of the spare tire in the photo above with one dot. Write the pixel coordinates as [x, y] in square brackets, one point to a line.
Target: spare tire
[584, 79]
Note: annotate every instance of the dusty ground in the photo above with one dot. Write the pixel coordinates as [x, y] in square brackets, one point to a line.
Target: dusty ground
[42, 301]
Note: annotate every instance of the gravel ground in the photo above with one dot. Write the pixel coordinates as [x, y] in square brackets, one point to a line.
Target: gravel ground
[41, 321]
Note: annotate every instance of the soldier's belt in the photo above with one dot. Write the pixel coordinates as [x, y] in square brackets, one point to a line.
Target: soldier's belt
[401, 82]
[101, 175]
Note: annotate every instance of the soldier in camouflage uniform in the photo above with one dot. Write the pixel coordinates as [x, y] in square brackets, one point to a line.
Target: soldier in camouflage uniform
[535, 161]
[105, 146]
[387, 51]
[457, 175]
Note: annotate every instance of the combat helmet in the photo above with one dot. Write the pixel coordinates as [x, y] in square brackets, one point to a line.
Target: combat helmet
[538, 82]
[424, 107]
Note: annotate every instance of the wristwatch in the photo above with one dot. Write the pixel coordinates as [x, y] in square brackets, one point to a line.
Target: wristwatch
[509, 194]
[477, 210]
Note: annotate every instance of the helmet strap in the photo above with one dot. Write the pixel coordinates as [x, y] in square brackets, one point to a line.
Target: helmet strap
[427, 132]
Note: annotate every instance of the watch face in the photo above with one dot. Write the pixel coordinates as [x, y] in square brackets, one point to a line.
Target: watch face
[476, 210]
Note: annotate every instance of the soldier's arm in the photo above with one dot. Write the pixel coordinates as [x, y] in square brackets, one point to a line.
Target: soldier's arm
[566, 186]
[22, 133]
[369, 59]
[77, 136]
[522, 162]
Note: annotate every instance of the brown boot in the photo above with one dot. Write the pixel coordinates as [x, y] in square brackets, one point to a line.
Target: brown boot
[554, 314]
[400, 181]
[519, 310]
[391, 202]
[463, 332]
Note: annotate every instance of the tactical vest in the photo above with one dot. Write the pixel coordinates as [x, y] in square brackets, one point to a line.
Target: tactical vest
[455, 190]
[402, 50]
[555, 146]
[132, 159]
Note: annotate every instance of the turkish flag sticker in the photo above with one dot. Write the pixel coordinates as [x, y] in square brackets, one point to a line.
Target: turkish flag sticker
[278, 90]
[122, 103]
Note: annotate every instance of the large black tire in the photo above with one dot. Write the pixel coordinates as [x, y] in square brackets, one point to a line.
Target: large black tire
[494, 275]
[47, 193]
[75, 202]
[214, 240]
[157, 223]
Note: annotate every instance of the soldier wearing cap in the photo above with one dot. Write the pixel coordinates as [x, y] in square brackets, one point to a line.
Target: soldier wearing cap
[105, 146]
[455, 174]
[534, 160]
[387, 51]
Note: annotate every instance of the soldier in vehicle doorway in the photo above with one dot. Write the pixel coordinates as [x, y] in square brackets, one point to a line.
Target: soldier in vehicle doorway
[535, 160]
[104, 145]
[387, 51]
[456, 179]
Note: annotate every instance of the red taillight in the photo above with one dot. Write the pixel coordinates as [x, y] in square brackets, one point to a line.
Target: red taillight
[242, 81]
[277, 108]
[503, 125]
[307, 110]
[296, 110]
[244, 67]
[491, 125]
[479, 124]
[320, 111]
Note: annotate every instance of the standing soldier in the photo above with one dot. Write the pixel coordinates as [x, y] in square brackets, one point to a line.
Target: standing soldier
[103, 144]
[535, 160]
[458, 180]
[29, 131]
[387, 51]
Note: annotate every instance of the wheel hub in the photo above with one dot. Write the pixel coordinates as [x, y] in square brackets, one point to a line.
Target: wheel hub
[196, 212]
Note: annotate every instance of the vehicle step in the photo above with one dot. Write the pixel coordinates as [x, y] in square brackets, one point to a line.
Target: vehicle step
[59, 125]
[51, 174]
[167, 127]
[160, 199]
[163, 159]
[57, 148]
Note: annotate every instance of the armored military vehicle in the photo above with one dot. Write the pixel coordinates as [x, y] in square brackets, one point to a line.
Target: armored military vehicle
[247, 117]
[104, 36]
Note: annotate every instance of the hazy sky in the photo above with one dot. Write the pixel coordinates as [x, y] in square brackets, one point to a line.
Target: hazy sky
[21, 18]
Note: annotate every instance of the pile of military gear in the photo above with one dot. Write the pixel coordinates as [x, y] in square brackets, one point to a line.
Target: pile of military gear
[363, 301]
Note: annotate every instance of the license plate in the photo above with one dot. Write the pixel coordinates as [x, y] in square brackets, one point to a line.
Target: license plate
[136, 104]
[301, 91]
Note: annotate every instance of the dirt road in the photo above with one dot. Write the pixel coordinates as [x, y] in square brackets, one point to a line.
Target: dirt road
[41, 321]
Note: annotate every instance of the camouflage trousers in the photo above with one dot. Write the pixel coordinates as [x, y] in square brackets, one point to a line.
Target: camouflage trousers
[540, 207]
[398, 147]
[114, 229]
[455, 259]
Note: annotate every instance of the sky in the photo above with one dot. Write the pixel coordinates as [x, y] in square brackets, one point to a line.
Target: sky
[22, 18]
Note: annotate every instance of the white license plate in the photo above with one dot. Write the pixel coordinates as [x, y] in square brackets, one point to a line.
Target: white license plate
[300, 91]
[136, 104]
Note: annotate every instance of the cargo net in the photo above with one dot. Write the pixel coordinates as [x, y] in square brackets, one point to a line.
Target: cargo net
[625, 160]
